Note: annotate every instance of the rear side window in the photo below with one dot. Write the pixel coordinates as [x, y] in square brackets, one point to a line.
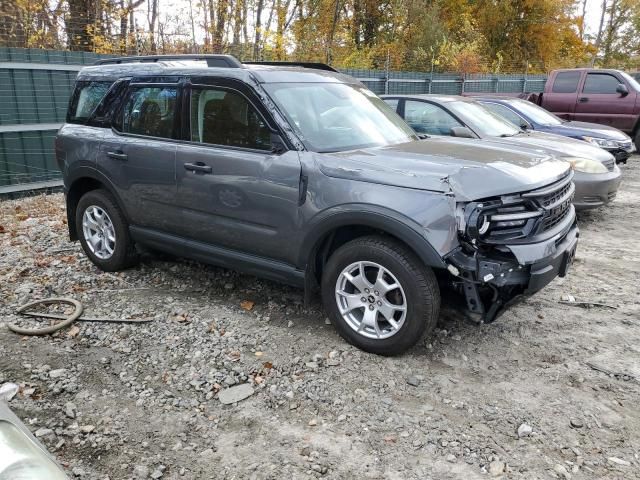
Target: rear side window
[223, 117]
[428, 118]
[566, 82]
[505, 112]
[600, 83]
[149, 111]
[85, 99]
[392, 102]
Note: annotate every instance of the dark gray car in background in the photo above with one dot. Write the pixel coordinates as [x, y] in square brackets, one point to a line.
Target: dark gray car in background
[304, 176]
[597, 177]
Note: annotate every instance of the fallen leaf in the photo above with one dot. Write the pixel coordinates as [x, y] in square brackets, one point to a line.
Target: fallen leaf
[258, 379]
[247, 305]
[2, 230]
[258, 354]
[234, 355]
[22, 216]
[212, 327]
[267, 365]
[68, 259]
[73, 331]
[390, 439]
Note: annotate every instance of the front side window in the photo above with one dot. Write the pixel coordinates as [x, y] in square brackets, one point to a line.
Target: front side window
[224, 117]
[150, 111]
[600, 83]
[429, 118]
[334, 117]
[566, 82]
[86, 98]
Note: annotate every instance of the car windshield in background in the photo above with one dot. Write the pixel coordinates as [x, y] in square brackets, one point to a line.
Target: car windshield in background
[537, 114]
[631, 81]
[483, 120]
[333, 117]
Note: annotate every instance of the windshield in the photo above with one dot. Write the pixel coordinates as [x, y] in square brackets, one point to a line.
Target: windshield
[631, 81]
[483, 120]
[332, 117]
[537, 114]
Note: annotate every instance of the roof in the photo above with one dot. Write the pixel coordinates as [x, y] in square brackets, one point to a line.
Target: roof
[431, 96]
[191, 65]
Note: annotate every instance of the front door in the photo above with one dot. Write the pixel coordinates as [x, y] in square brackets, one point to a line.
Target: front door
[138, 156]
[600, 103]
[232, 189]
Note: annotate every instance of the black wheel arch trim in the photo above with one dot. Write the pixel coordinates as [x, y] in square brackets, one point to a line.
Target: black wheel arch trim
[82, 173]
[356, 215]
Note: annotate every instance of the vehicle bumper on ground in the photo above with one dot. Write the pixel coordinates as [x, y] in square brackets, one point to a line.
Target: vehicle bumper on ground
[595, 189]
[492, 282]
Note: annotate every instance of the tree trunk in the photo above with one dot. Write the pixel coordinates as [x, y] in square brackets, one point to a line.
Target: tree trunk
[599, 36]
[77, 25]
[256, 43]
[153, 17]
[218, 34]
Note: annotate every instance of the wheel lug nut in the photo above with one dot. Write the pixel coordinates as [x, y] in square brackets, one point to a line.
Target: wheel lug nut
[366, 290]
[376, 292]
[370, 307]
[364, 300]
[379, 303]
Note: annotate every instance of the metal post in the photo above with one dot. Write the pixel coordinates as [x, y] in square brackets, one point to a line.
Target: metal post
[386, 74]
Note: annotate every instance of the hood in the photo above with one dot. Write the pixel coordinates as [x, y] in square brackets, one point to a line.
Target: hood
[585, 129]
[558, 146]
[470, 169]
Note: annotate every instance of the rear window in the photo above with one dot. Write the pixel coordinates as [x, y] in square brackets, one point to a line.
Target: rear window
[85, 99]
[566, 82]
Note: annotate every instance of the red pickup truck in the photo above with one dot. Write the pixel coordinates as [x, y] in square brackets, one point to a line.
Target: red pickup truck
[607, 97]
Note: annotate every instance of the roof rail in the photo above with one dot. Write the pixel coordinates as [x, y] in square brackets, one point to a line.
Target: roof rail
[224, 61]
[315, 65]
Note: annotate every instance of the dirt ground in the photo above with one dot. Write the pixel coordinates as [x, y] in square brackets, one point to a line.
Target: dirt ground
[548, 391]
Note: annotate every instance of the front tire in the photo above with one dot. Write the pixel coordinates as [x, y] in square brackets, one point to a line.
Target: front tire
[379, 295]
[104, 232]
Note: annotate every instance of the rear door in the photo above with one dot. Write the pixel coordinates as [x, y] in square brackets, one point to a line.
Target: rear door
[232, 188]
[599, 102]
[138, 155]
[561, 97]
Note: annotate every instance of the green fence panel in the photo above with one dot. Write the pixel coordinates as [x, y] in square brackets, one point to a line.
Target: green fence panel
[27, 157]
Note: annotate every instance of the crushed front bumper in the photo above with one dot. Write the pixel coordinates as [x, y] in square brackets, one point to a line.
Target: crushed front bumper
[493, 281]
[595, 189]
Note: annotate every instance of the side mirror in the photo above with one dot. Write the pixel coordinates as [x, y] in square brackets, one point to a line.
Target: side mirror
[462, 132]
[622, 89]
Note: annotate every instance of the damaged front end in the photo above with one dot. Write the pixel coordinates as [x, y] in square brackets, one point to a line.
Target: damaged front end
[512, 246]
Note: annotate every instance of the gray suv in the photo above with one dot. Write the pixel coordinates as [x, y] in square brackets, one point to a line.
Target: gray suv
[300, 174]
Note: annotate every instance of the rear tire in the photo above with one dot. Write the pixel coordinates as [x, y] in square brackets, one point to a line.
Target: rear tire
[104, 232]
[353, 291]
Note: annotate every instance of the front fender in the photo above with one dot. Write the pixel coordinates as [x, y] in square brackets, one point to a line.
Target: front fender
[366, 215]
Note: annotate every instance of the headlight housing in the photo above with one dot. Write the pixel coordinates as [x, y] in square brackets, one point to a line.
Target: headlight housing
[601, 142]
[586, 165]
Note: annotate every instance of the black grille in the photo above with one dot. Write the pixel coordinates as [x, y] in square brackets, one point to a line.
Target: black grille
[555, 201]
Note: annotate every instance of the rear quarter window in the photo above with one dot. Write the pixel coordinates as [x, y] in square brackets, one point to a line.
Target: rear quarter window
[86, 97]
[566, 82]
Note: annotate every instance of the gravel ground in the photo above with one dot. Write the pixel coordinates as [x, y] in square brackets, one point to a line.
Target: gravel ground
[548, 391]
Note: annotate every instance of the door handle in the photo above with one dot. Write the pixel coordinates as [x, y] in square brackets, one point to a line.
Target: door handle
[198, 167]
[583, 99]
[117, 155]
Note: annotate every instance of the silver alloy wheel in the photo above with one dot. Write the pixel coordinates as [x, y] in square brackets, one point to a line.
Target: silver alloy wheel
[99, 232]
[371, 300]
